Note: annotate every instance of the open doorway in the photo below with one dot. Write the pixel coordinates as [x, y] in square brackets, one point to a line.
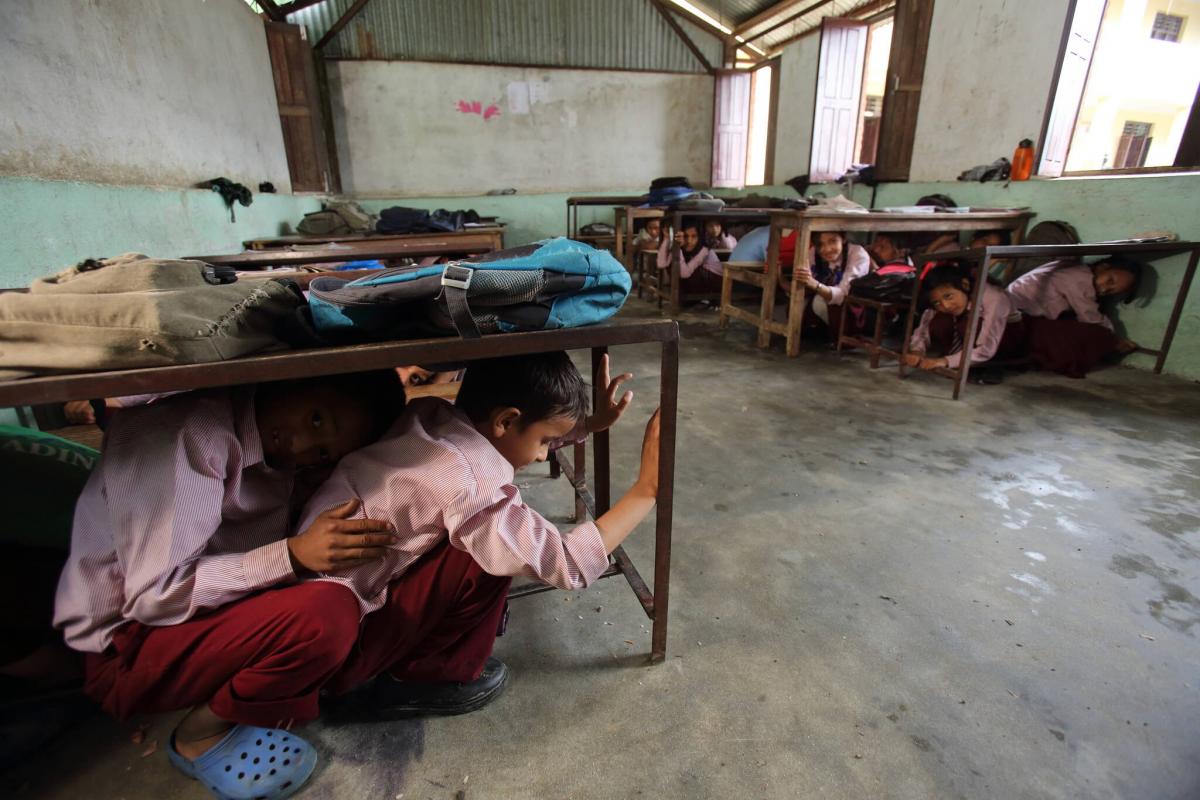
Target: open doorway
[851, 82]
[879, 50]
[743, 127]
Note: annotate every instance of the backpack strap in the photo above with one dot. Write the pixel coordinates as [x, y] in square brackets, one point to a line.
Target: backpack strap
[456, 280]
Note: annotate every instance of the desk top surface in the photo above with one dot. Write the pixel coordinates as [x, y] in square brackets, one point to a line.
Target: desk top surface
[291, 364]
[431, 244]
[267, 243]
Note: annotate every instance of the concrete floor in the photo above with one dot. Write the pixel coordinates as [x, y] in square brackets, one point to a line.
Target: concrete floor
[877, 592]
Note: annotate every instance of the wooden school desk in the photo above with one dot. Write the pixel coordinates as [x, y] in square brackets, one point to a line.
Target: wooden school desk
[357, 358]
[494, 232]
[728, 216]
[1142, 251]
[814, 220]
[460, 243]
[623, 222]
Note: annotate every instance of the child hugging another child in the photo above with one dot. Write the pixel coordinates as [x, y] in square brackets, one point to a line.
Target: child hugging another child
[181, 587]
[442, 479]
[699, 268]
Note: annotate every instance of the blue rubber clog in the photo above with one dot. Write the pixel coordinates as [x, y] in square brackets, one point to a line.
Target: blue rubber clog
[251, 763]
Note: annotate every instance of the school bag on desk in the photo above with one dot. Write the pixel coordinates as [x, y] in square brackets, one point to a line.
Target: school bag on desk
[132, 311]
[554, 283]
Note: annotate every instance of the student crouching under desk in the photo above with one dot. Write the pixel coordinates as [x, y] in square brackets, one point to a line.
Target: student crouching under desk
[1068, 332]
[442, 478]
[249, 649]
[943, 325]
[834, 263]
[181, 584]
[700, 270]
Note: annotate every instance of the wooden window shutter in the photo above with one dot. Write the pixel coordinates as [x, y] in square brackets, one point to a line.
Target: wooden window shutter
[1068, 92]
[299, 103]
[839, 95]
[902, 97]
[731, 129]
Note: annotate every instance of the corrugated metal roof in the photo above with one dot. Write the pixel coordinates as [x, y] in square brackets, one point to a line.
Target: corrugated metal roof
[732, 13]
[609, 34]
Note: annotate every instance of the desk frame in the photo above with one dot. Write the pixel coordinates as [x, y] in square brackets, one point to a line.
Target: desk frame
[496, 232]
[575, 201]
[812, 220]
[988, 255]
[464, 243]
[340, 360]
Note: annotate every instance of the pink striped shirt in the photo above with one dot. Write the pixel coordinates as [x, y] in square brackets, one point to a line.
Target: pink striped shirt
[180, 516]
[1053, 289]
[704, 258]
[996, 312]
[435, 477]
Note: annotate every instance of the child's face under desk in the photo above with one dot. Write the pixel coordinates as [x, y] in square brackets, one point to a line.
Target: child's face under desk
[521, 445]
[316, 426]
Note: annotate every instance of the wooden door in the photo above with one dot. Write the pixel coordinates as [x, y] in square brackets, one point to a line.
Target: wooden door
[902, 97]
[299, 108]
[1074, 63]
[731, 129]
[839, 97]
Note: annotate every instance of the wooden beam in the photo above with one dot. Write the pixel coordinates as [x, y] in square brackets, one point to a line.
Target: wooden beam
[342, 22]
[788, 20]
[702, 22]
[658, 6]
[271, 10]
[765, 16]
[865, 8]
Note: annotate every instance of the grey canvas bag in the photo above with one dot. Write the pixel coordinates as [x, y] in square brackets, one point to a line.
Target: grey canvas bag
[338, 218]
[133, 311]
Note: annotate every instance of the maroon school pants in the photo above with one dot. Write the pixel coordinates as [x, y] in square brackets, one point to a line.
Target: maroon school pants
[264, 659]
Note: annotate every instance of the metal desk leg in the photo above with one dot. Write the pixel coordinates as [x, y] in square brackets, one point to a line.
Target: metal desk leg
[668, 403]
[600, 448]
[1177, 311]
[968, 345]
[579, 459]
[676, 278]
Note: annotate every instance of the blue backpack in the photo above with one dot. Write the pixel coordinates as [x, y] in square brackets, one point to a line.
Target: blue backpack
[554, 283]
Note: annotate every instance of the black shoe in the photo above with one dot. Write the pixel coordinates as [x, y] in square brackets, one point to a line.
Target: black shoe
[987, 376]
[393, 699]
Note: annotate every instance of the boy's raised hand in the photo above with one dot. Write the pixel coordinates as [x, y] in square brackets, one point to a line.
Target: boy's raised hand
[611, 409]
[334, 541]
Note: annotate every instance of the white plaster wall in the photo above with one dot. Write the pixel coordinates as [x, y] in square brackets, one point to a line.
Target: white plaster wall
[143, 92]
[987, 80]
[797, 104]
[400, 132]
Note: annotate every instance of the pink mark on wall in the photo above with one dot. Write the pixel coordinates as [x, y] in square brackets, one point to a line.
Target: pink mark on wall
[475, 107]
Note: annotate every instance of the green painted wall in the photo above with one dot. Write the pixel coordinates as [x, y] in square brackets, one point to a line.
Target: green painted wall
[46, 225]
[50, 224]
